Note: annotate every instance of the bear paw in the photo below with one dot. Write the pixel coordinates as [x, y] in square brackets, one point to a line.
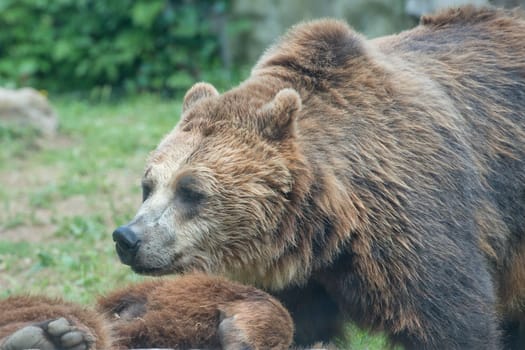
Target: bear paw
[254, 325]
[232, 336]
[54, 334]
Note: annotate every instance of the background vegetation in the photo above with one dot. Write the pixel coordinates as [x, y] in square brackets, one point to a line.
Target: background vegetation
[109, 68]
[134, 45]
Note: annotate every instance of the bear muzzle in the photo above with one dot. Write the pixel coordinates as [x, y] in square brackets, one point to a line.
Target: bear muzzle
[127, 244]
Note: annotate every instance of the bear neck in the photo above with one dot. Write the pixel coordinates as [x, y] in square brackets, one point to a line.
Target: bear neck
[326, 210]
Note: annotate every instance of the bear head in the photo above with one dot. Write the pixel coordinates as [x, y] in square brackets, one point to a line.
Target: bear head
[217, 187]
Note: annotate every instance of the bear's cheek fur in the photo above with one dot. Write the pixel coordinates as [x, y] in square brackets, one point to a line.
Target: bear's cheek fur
[228, 234]
[168, 244]
[240, 243]
[245, 187]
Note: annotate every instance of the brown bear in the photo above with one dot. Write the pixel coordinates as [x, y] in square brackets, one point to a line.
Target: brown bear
[380, 181]
[194, 311]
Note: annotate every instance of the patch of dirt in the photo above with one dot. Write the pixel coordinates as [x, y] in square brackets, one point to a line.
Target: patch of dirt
[21, 221]
[25, 176]
[28, 233]
[18, 220]
[55, 142]
[43, 222]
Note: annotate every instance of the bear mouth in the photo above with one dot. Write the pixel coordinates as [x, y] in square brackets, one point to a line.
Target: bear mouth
[150, 271]
[176, 266]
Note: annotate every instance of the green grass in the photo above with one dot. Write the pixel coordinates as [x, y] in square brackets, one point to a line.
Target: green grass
[60, 199]
[64, 196]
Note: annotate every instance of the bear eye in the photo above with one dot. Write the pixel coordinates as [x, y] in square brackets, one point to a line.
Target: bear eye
[146, 190]
[186, 191]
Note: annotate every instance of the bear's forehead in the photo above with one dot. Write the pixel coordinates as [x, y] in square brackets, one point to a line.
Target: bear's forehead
[233, 106]
[171, 153]
[225, 115]
[184, 150]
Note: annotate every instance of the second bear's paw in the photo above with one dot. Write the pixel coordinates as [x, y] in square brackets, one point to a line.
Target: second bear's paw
[254, 325]
[54, 334]
[231, 335]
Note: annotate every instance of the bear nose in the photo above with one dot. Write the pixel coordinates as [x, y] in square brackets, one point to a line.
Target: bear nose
[127, 244]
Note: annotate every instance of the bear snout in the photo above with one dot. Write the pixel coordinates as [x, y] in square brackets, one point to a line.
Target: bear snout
[127, 244]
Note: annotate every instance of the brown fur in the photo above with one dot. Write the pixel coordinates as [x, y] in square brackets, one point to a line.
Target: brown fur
[380, 181]
[388, 175]
[188, 312]
[20, 311]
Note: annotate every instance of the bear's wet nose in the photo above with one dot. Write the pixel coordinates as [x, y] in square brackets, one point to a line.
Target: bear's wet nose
[127, 244]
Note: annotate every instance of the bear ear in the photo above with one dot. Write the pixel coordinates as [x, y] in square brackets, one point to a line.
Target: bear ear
[197, 92]
[277, 118]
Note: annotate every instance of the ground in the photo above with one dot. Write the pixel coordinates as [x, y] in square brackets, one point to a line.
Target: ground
[61, 198]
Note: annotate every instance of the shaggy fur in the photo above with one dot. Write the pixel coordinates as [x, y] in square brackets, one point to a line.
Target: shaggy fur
[194, 311]
[382, 179]
[21, 311]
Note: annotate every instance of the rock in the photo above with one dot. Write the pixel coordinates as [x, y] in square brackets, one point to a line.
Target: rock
[27, 108]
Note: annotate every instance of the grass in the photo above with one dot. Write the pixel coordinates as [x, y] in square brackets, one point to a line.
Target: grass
[60, 199]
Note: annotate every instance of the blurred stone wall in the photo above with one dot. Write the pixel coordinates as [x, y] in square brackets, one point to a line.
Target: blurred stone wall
[508, 3]
[419, 7]
[270, 18]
